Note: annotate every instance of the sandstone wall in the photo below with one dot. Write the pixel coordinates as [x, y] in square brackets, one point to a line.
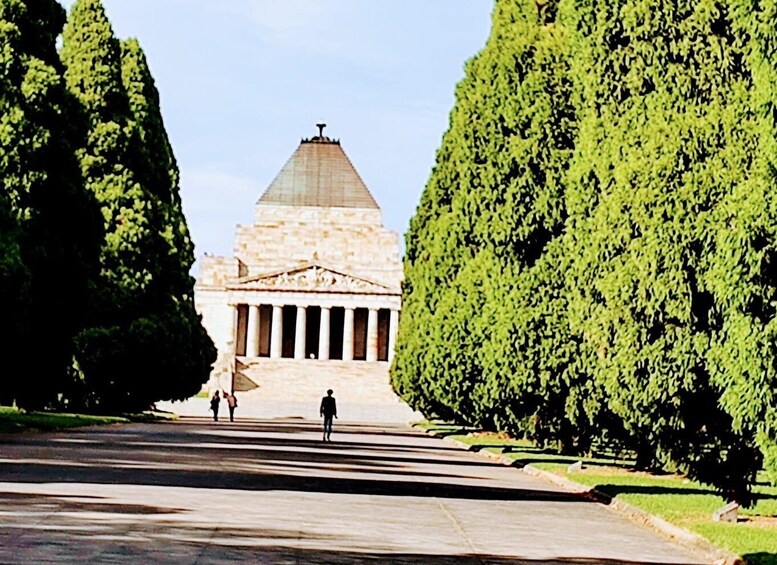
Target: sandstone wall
[350, 240]
[217, 316]
[218, 271]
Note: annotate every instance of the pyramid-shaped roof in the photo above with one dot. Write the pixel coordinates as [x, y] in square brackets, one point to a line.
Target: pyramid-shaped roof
[319, 173]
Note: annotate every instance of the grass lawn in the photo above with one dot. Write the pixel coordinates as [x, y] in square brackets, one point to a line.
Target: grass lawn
[13, 420]
[673, 497]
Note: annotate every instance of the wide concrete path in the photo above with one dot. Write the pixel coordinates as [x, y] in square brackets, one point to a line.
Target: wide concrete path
[271, 492]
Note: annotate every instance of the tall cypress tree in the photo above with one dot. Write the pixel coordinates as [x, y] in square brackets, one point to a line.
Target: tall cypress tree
[668, 149]
[14, 298]
[44, 203]
[160, 166]
[530, 359]
[142, 317]
[112, 164]
[596, 245]
[743, 241]
[14, 275]
[186, 349]
[492, 207]
[434, 254]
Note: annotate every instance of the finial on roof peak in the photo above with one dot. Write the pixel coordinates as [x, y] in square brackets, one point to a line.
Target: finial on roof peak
[320, 138]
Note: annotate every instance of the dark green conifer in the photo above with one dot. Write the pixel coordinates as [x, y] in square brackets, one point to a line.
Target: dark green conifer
[160, 167]
[55, 221]
[436, 251]
[112, 164]
[493, 205]
[132, 354]
[14, 300]
[594, 252]
[668, 165]
[188, 352]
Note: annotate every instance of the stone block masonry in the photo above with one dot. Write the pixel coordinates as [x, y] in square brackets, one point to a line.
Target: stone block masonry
[312, 292]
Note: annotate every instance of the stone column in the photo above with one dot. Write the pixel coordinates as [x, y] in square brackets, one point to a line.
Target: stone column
[348, 335]
[393, 328]
[301, 333]
[323, 335]
[252, 346]
[372, 336]
[276, 335]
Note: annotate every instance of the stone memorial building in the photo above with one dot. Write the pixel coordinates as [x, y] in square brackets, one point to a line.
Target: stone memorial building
[310, 299]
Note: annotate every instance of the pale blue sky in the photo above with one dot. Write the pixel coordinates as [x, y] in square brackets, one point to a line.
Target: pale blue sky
[243, 80]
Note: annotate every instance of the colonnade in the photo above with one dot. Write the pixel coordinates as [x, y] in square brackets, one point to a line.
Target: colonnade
[254, 327]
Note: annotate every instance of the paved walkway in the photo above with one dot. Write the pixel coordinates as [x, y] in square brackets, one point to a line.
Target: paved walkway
[271, 492]
[255, 406]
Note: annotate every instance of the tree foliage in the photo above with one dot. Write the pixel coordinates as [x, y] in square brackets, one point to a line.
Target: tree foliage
[594, 254]
[185, 353]
[668, 142]
[112, 166]
[14, 298]
[50, 224]
[95, 254]
[144, 342]
[159, 164]
[477, 267]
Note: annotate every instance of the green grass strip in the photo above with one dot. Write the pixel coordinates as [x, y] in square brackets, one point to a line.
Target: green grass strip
[13, 420]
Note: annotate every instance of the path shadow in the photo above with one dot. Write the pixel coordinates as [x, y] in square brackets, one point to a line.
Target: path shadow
[241, 480]
[232, 436]
[761, 558]
[333, 453]
[297, 426]
[176, 456]
[615, 490]
[83, 503]
[173, 455]
[191, 447]
[328, 557]
[136, 534]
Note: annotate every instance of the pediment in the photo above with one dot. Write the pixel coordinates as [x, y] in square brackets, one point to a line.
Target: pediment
[312, 278]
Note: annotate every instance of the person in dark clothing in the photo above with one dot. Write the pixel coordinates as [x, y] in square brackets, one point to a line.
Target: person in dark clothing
[214, 405]
[329, 411]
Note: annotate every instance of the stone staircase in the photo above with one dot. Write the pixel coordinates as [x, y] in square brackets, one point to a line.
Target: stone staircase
[293, 388]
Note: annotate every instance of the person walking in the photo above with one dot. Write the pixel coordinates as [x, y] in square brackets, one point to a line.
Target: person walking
[231, 404]
[329, 411]
[214, 406]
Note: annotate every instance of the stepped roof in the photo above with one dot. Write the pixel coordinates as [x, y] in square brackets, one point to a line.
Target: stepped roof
[319, 173]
